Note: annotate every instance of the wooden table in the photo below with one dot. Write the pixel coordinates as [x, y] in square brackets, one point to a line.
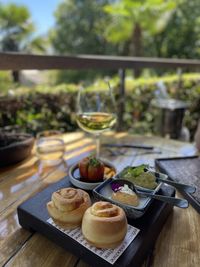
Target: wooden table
[178, 243]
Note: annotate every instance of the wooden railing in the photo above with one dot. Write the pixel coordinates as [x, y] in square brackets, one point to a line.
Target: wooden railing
[18, 61]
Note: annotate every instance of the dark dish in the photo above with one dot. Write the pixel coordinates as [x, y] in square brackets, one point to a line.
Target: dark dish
[14, 147]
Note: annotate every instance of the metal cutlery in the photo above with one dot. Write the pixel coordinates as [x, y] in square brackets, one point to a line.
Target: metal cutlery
[129, 146]
[182, 187]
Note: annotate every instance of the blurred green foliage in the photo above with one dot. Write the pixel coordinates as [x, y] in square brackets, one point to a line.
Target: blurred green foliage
[17, 29]
[14, 28]
[17, 32]
[5, 82]
[152, 28]
[181, 36]
[79, 30]
[47, 107]
[132, 20]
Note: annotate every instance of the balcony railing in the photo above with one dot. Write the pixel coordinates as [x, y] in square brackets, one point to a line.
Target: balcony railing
[18, 61]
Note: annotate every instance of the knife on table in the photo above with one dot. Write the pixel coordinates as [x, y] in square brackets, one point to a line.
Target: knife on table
[129, 146]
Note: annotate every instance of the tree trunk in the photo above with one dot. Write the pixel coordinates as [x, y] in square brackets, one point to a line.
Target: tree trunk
[11, 45]
[16, 76]
[136, 45]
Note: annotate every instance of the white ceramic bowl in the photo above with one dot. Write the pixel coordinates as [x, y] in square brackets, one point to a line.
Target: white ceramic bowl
[74, 176]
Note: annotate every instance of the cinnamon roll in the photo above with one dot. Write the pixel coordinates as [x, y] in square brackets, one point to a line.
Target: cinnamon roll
[67, 207]
[104, 225]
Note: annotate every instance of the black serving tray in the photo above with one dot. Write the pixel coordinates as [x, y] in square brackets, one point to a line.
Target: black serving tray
[184, 170]
[33, 215]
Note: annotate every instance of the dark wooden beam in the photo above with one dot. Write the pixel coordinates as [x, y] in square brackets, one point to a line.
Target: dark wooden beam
[17, 61]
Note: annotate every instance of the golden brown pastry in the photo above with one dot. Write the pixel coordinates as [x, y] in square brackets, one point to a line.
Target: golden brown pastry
[104, 225]
[67, 207]
[125, 198]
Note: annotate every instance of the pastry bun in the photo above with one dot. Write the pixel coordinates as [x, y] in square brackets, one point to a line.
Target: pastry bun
[104, 225]
[67, 207]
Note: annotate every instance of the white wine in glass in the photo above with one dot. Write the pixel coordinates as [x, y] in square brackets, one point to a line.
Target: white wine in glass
[96, 111]
[96, 122]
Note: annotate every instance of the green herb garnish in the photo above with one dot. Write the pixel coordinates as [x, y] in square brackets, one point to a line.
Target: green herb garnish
[94, 161]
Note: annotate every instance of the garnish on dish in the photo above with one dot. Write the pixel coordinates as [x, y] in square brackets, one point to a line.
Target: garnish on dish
[124, 194]
[140, 176]
[91, 169]
[94, 170]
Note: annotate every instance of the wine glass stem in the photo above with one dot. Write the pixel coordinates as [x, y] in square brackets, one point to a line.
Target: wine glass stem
[97, 145]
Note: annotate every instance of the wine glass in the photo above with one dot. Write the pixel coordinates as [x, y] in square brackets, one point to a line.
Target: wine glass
[96, 111]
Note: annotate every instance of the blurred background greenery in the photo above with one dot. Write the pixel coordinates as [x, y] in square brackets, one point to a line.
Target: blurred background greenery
[148, 28]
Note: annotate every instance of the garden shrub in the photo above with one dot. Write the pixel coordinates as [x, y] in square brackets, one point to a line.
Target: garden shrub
[5, 82]
[53, 107]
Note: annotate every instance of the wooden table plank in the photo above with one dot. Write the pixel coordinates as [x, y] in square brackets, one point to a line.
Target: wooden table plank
[39, 251]
[82, 264]
[179, 241]
[12, 237]
[20, 182]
